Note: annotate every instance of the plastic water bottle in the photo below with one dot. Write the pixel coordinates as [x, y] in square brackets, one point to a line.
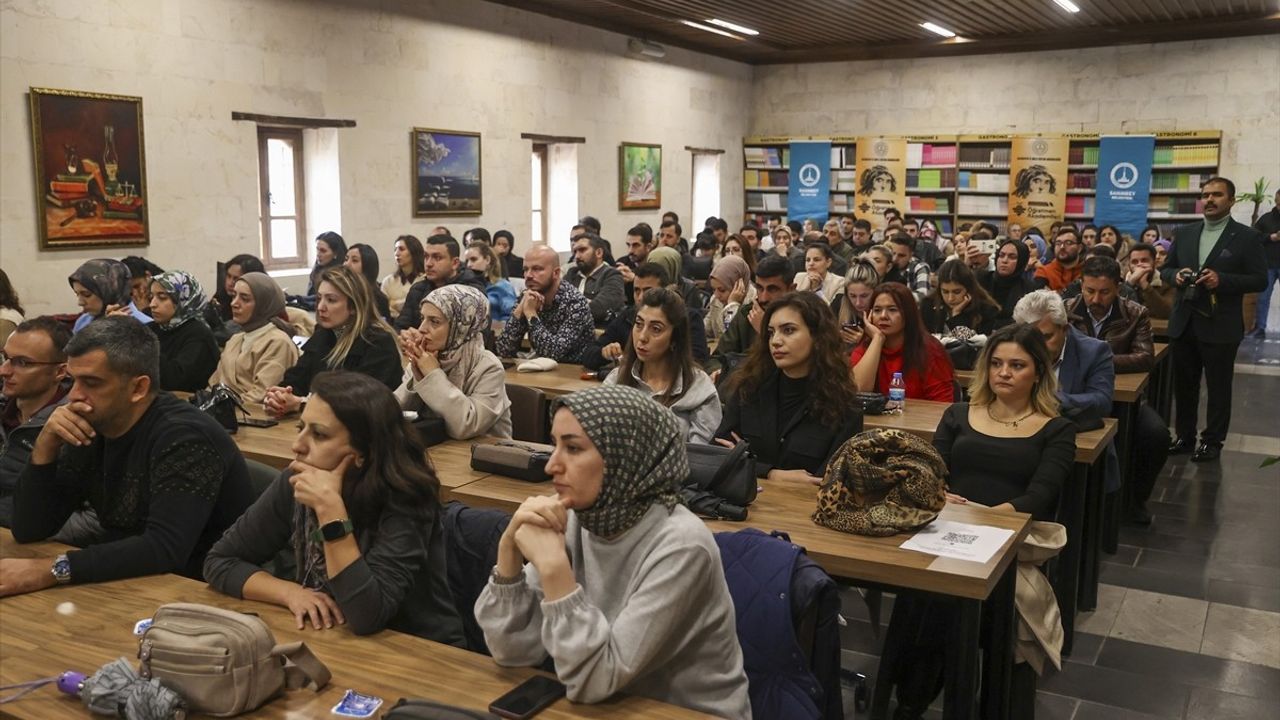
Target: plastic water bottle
[897, 393]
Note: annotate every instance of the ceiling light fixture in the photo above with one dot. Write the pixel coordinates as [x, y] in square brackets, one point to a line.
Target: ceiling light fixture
[1068, 6]
[648, 48]
[708, 28]
[734, 27]
[938, 29]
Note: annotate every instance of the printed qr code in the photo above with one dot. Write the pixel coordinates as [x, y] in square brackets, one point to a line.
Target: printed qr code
[959, 538]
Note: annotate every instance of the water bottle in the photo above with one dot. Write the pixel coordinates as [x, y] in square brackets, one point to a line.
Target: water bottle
[897, 393]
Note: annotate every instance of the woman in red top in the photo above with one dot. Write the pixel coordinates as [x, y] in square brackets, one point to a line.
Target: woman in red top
[896, 341]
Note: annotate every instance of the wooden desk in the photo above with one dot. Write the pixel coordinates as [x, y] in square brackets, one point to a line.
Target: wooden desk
[1128, 386]
[82, 627]
[563, 380]
[1160, 327]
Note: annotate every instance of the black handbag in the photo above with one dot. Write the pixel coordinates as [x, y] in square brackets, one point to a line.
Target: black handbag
[963, 353]
[520, 460]
[728, 473]
[222, 403]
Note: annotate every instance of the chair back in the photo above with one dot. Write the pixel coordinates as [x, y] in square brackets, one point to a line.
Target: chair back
[528, 414]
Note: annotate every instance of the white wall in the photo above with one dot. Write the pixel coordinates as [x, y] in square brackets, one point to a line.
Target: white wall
[389, 65]
[1232, 85]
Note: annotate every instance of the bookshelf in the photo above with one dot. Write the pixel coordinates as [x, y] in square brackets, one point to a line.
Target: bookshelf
[982, 179]
[766, 162]
[844, 175]
[1182, 161]
[931, 179]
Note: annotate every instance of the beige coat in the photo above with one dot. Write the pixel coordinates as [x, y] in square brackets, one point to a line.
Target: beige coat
[397, 291]
[832, 285]
[252, 362]
[1039, 620]
[480, 407]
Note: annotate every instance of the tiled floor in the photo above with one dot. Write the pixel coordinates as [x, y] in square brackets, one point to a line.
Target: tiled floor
[1188, 617]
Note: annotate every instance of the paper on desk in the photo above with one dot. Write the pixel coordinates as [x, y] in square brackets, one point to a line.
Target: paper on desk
[947, 538]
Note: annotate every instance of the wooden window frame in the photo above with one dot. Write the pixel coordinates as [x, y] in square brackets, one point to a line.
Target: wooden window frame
[269, 261]
[541, 150]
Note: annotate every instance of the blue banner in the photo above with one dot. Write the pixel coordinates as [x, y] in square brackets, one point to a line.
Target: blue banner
[809, 182]
[1124, 181]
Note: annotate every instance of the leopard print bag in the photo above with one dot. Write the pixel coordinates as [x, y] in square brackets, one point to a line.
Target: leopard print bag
[882, 482]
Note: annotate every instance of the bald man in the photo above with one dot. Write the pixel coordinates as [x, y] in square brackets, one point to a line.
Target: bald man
[554, 315]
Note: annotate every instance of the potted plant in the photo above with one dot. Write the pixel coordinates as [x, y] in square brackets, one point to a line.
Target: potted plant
[1257, 197]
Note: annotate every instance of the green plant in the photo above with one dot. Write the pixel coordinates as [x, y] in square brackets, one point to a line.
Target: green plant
[1257, 197]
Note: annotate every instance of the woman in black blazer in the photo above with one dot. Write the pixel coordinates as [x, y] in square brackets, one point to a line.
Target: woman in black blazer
[793, 399]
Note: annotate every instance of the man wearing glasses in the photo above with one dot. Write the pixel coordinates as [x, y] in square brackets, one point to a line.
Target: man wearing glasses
[1065, 267]
[33, 369]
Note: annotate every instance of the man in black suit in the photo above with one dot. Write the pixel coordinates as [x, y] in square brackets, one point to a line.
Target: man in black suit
[1213, 263]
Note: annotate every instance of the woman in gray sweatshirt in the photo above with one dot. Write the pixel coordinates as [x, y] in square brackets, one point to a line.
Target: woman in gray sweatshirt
[613, 577]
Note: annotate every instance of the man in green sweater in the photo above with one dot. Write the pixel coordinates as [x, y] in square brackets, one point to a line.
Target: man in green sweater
[773, 280]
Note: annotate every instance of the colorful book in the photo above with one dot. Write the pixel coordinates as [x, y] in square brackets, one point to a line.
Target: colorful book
[117, 215]
[67, 186]
[84, 178]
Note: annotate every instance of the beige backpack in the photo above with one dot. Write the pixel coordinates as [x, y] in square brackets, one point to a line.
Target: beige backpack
[222, 662]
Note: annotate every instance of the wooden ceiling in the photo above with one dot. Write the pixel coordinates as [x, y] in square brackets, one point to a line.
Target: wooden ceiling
[798, 31]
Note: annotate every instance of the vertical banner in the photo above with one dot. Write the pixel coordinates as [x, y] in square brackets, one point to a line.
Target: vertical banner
[1124, 181]
[809, 182]
[882, 178]
[1038, 187]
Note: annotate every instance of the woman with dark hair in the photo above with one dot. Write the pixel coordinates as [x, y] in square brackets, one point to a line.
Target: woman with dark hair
[735, 245]
[360, 509]
[1150, 234]
[217, 313]
[1088, 235]
[102, 288]
[1034, 180]
[1120, 242]
[817, 277]
[410, 268]
[188, 351]
[504, 244]
[658, 360]
[613, 577]
[1009, 449]
[11, 310]
[959, 307]
[349, 336]
[896, 341]
[256, 357]
[364, 260]
[792, 398]
[851, 305]
[331, 252]
[482, 260]
[1008, 282]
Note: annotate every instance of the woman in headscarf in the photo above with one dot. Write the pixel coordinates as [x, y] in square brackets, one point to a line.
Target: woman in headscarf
[730, 287]
[450, 372]
[101, 287]
[256, 357]
[1008, 282]
[613, 577]
[669, 260]
[188, 351]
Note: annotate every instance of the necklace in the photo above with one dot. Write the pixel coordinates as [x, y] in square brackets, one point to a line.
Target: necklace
[1009, 423]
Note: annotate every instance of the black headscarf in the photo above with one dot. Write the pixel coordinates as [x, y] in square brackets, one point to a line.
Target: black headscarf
[1008, 290]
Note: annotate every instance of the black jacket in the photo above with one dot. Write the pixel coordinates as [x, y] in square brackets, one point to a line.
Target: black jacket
[188, 355]
[806, 443]
[374, 354]
[1241, 264]
[411, 312]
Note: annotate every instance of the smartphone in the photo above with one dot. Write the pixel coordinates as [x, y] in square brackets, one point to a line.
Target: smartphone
[986, 247]
[528, 698]
[259, 422]
[854, 325]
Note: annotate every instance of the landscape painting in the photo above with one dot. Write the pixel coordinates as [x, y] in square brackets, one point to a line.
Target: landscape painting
[91, 180]
[446, 173]
[639, 176]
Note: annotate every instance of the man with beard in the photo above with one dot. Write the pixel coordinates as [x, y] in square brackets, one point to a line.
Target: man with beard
[773, 280]
[1065, 266]
[639, 243]
[552, 313]
[164, 478]
[602, 286]
[442, 266]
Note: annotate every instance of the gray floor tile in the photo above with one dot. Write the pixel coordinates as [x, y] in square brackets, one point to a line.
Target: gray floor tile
[1242, 595]
[1213, 705]
[1118, 689]
[1194, 669]
[1096, 711]
[1163, 620]
[1237, 633]
[1100, 621]
[1055, 707]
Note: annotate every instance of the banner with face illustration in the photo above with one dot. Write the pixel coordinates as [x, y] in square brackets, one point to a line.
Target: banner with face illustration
[1038, 181]
[882, 178]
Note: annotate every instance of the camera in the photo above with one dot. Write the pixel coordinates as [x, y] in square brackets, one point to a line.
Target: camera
[1190, 290]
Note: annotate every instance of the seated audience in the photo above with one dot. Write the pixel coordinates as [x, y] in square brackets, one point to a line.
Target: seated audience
[331, 252]
[217, 313]
[359, 509]
[1008, 449]
[11, 310]
[504, 244]
[1088, 234]
[188, 351]
[960, 307]
[615, 579]
[141, 272]
[551, 313]
[793, 400]
[442, 265]
[602, 285]
[671, 262]
[730, 288]
[737, 245]
[881, 258]
[906, 270]
[364, 260]
[772, 280]
[1008, 281]
[639, 243]
[851, 306]
[502, 296]
[410, 268]
[1145, 285]
[818, 276]
[784, 245]
[349, 336]
[1111, 236]
[102, 288]
[177, 479]
[860, 236]
[658, 361]
[450, 373]
[608, 346]
[257, 356]
[1065, 266]
[838, 242]
[33, 372]
[896, 341]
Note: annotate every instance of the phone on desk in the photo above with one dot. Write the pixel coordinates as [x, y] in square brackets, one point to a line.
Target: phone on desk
[528, 698]
[259, 422]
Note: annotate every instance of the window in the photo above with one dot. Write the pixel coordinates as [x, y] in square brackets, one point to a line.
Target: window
[539, 193]
[282, 205]
[706, 187]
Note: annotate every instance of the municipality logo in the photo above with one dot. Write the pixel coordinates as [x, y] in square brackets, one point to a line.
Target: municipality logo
[1039, 147]
[1124, 175]
[810, 175]
[881, 148]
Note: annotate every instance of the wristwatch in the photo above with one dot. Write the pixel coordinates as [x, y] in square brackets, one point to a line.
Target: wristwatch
[335, 530]
[61, 569]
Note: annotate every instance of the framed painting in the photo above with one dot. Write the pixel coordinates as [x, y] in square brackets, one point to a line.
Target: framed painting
[639, 176]
[91, 171]
[446, 173]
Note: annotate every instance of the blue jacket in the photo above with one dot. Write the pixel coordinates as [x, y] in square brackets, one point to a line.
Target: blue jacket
[1086, 381]
[776, 587]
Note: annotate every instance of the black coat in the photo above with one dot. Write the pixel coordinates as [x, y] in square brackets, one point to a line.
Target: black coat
[375, 354]
[411, 312]
[1241, 264]
[188, 355]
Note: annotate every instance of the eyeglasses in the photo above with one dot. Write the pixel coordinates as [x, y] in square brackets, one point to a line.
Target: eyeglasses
[22, 363]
